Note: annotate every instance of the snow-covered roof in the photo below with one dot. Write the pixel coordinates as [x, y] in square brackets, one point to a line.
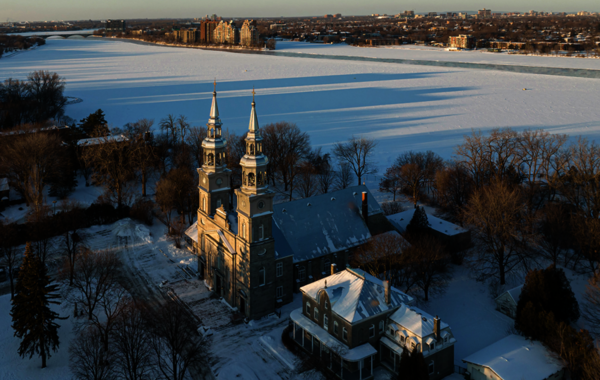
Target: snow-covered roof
[514, 293]
[192, 231]
[4, 184]
[515, 357]
[415, 320]
[101, 140]
[326, 223]
[355, 294]
[401, 220]
[353, 355]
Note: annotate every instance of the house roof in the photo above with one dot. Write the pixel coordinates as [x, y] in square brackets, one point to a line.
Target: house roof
[325, 223]
[355, 294]
[192, 231]
[101, 140]
[515, 357]
[415, 320]
[514, 293]
[401, 220]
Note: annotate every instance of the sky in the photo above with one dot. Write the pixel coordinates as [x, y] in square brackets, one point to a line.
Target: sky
[40, 10]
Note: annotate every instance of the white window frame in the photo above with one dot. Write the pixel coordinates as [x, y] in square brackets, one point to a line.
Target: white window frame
[279, 292]
[279, 269]
[316, 314]
[262, 279]
[325, 322]
[336, 328]
[308, 308]
[261, 232]
[344, 334]
[326, 305]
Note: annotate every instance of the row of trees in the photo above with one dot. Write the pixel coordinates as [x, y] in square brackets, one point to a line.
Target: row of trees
[35, 100]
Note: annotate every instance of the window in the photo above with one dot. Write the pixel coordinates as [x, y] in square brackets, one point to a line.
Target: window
[279, 269]
[301, 274]
[204, 204]
[446, 339]
[372, 331]
[308, 308]
[326, 266]
[431, 368]
[279, 291]
[344, 334]
[432, 346]
[261, 232]
[392, 331]
[325, 323]
[218, 203]
[261, 277]
[326, 305]
[381, 327]
[402, 338]
[316, 314]
[335, 327]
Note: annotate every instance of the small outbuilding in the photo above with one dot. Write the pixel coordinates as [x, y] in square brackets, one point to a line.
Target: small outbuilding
[506, 303]
[514, 358]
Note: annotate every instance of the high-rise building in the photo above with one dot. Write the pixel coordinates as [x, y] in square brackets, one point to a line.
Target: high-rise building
[207, 29]
[226, 33]
[484, 13]
[115, 26]
[249, 34]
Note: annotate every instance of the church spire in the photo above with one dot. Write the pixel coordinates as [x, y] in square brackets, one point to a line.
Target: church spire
[253, 127]
[214, 108]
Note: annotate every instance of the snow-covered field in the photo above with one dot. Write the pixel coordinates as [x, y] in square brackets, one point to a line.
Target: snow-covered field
[402, 106]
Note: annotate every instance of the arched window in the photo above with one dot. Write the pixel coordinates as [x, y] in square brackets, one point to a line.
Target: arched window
[325, 322]
[204, 204]
[251, 148]
[211, 159]
[244, 230]
[251, 179]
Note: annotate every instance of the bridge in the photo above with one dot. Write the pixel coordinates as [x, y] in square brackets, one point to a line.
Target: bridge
[65, 36]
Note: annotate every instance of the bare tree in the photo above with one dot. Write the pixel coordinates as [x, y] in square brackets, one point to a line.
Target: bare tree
[111, 159]
[357, 153]
[382, 257]
[194, 141]
[183, 127]
[591, 308]
[165, 190]
[343, 177]
[9, 255]
[453, 188]
[307, 182]
[94, 279]
[72, 219]
[391, 208]
[415, 170]
[390, 182]
[169, 126]
[496, 214]
[175, 344]
[88, 358]
[143, 152]
[131, 343]
[29, 163]
[429, 263]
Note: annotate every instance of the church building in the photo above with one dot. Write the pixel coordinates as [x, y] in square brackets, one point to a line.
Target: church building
[257, 255]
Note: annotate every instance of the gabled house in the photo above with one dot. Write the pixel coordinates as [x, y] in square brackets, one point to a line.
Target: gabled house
[412, 328]
[342, 319]
[514, 358]
[506, 303]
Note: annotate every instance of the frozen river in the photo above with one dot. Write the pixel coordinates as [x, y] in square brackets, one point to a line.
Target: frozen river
[402, 106]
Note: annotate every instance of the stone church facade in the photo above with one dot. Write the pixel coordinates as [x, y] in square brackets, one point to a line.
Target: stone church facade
[258, 254]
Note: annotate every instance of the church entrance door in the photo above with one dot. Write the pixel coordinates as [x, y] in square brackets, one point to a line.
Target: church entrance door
[242, 305]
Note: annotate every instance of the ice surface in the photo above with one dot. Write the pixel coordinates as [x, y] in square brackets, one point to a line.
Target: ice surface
[402, 106]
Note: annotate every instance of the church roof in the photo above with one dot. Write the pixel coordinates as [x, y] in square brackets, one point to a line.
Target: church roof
[355, 295]
[325, 223]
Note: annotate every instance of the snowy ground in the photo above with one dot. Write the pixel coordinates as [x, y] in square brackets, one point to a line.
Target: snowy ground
[402, 106]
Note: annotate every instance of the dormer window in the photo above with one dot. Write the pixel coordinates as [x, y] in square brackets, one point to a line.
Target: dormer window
[432, 346]
[326, 305]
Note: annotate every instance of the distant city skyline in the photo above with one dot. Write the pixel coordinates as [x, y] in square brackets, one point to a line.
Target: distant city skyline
[43, 10]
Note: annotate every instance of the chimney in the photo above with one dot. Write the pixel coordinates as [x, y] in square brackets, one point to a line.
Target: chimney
[436, 327]
[365, 208]
[333, 268]
[386, 290]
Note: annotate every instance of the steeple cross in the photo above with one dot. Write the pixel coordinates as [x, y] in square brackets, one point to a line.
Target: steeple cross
[215, 85]
[253, 93]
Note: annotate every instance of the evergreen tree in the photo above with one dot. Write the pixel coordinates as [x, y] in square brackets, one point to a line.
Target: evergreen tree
[88, 125]
[547, 290]
[419, 224]
[33, 321]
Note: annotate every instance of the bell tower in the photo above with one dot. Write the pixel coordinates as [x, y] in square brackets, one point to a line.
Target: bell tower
[255, 219]
[214, 177]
